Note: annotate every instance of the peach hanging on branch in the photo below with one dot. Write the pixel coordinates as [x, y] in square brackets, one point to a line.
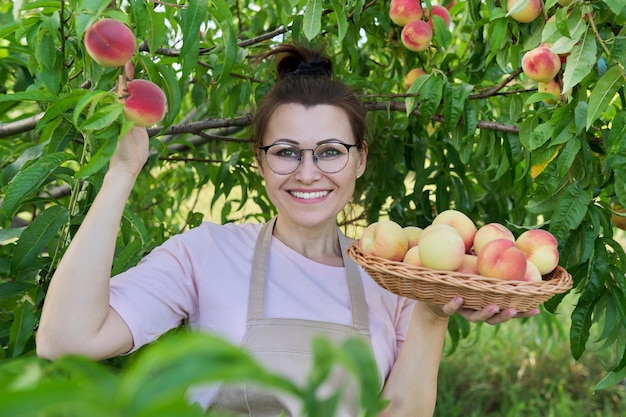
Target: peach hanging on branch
[110, 43]
[144, 102]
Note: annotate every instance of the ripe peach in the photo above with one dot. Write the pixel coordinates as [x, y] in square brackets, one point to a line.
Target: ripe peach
[402, 12]
[145, 102]
[441, 248]
[413, 75]
[489, 232]
[541, 248]
[440, 11]
[469, 265]
[416, 35]
[500, 258]
[434, 227]
[553, 87]
[541, 64]
[385, 239]
[412, 256]
[461, 222]
[412, 234]
[110, 43]
[528, 14]
[532, 273]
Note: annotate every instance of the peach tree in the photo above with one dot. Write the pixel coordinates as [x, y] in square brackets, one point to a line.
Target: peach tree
[474, 132]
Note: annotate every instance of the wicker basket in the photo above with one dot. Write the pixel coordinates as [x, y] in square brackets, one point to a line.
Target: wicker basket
[439, 287]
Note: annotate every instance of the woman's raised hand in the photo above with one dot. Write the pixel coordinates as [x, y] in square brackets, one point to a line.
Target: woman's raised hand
[132, 151]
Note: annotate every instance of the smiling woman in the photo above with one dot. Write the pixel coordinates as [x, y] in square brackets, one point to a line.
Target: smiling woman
[272, 288]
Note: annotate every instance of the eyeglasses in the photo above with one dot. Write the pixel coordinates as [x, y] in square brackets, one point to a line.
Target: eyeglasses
[330, 157]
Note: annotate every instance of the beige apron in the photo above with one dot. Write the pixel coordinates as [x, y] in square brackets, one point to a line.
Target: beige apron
[284, 345]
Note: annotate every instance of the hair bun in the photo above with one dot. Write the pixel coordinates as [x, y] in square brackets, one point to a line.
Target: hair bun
[296, 59]
[321, 68]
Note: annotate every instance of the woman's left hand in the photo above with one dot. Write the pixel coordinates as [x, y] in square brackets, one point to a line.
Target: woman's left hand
[490, 314]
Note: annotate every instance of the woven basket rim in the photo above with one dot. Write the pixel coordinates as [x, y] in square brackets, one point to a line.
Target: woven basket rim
[427, 284]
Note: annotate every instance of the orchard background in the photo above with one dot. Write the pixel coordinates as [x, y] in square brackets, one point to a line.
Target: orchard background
[472, 134]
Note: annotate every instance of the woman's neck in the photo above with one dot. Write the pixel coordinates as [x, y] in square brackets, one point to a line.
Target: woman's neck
[320, 244]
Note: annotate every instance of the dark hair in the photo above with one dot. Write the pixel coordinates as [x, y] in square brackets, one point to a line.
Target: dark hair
[304, 77]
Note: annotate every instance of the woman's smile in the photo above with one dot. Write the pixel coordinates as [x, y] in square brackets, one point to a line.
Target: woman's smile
[309, 195]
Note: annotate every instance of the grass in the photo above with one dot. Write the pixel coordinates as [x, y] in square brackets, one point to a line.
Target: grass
[525, 368]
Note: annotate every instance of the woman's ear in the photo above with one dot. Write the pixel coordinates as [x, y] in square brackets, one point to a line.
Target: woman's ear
[360, 169]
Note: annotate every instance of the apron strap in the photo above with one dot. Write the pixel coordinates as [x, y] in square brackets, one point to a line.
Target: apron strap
[258, 277]
[358, 302]
[256, 296]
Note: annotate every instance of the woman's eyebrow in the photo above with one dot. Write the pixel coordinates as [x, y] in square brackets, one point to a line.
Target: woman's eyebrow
[295, 142]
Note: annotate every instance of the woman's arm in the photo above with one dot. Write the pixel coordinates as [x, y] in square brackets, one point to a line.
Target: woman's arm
[76, 316]
[412, 384]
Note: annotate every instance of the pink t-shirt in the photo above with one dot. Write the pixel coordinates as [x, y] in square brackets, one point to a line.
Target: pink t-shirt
[202, 275]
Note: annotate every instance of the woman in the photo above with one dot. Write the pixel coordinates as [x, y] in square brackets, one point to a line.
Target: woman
[272, 287]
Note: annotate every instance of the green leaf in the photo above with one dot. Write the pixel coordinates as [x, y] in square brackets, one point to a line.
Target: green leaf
[9, 234]
[47, 398]
[567, 156]
[312, 18]
[128, 256]
[189, 359]
[616, 6]
[36, 236]
[342, 19]
[14, 289]
[224, 19]
[22, 328]
[611, 378]
[61, 106]
[569, 212]
[580, 62]
[595, 284]
[603, 93]
[100, 159]
[103, 117]
[442, 35]
[539, 136]
[172, 92]
[191, 21]
[43, 95]
[27, 181]
[90, 99]
[579, 330]
[157, 32]
[580, 116]
[412, 100]
[45, 51]
[430, 95]
[88, 12]
[11, 170]
[454, 103]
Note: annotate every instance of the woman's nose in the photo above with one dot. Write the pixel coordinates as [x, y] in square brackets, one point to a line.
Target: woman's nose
[308, 166]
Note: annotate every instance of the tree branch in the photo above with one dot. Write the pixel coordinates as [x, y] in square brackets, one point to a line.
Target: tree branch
[398, 106]
[195, 127]
[495, 89]
[24, 125]
[19, 126]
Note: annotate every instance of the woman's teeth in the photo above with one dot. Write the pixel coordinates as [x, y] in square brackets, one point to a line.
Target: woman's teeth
[309, 196]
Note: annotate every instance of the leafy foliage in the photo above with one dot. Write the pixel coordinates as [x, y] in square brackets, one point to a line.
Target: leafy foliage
[156, 382]
[474, 134]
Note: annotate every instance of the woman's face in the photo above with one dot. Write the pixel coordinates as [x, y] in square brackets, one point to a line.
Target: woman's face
[309, 196]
